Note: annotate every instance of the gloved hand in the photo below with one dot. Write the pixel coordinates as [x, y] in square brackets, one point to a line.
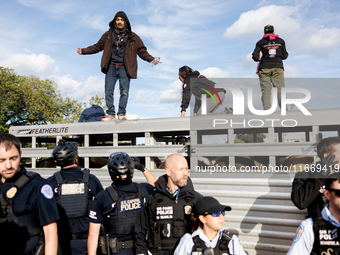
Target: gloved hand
[138, 165]
[327, 164]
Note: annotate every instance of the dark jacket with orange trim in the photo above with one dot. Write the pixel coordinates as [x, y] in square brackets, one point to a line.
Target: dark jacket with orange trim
[193, 84]
[134, 46]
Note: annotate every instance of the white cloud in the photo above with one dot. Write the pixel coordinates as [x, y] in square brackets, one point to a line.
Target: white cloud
[37, 65]
[173, 93]
[66, 85]
[78, 90]
[291, 71]
[252, 22]
[214, 72]
[144, 95]
[287, 21]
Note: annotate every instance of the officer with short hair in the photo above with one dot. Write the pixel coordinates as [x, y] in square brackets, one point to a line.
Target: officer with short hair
[74, 190]
[118, 206]
[209, 238]
[320, 233]
[166, 216]
[27, 205]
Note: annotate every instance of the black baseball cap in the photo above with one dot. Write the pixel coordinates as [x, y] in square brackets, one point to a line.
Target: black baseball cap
[210, 205]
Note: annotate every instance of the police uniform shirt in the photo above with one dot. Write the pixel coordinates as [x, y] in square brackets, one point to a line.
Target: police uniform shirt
[186, 243]
[77, 225]
[304, 237]
[37, 196]
[103, 203]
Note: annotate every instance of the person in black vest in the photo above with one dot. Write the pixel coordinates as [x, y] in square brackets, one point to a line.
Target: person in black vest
[196, 84]
[118, 207]
[320, 234]
[209, 238]
[166, 216]
[27, 205]
[273, 49]
[308, 185]
[74, 190]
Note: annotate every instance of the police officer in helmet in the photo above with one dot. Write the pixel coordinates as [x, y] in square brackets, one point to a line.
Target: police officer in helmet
[74, 191]
[118, 206]
[27, 207]
[320, 234]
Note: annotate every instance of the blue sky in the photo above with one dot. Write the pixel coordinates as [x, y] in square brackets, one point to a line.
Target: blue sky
[40, 37]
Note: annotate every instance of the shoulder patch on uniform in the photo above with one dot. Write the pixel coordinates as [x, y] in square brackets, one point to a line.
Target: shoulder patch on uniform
[46, 190]
[184, 85]
[298, 234]
[93, 215]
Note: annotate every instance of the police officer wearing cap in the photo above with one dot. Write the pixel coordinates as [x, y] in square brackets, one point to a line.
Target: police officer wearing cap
[74, 191]
[320, 234]
[209, 238]
[27, 205]
[118, 206]
[166, 216]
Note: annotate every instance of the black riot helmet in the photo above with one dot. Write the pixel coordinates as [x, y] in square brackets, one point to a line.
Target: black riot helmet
[65, 153]
[121, 168]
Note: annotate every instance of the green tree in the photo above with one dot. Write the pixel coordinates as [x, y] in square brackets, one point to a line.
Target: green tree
[28, 100]
[248, 138]
[98, 101]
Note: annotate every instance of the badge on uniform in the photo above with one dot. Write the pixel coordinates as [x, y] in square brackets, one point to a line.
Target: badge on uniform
[11, 192]
[298, 234]
[46, 190]
[187, 209]
[130, 204]
[164, 212]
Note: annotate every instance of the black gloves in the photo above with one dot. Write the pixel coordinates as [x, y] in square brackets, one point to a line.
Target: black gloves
[138, 165]
[327, 164]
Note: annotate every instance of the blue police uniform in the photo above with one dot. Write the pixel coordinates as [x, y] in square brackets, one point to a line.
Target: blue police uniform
[35, 198]
[103, 202]
[77, 228]
[304, 238]
[186, 243]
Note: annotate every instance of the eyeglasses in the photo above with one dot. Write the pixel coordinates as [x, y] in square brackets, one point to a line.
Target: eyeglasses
[336, 191]
[217, 214]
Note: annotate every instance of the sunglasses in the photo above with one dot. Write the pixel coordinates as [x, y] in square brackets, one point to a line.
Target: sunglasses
[336, 191]
[219, 213]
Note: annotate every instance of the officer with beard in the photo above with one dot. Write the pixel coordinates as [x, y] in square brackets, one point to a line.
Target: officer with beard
[118, 206]
[27, 206]
[166, 216]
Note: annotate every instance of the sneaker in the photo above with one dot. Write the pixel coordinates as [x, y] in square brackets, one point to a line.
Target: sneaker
[228, 110]
[122, 117]
[108, 118]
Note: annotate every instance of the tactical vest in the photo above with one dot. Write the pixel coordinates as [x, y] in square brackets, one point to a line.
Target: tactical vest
[170, 222]
[121, 218]
[17, 227]
[73, 194]
[326, 236]
[221, 247]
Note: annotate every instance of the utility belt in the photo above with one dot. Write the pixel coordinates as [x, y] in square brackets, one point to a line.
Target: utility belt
[110, 246]
[80, 236]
